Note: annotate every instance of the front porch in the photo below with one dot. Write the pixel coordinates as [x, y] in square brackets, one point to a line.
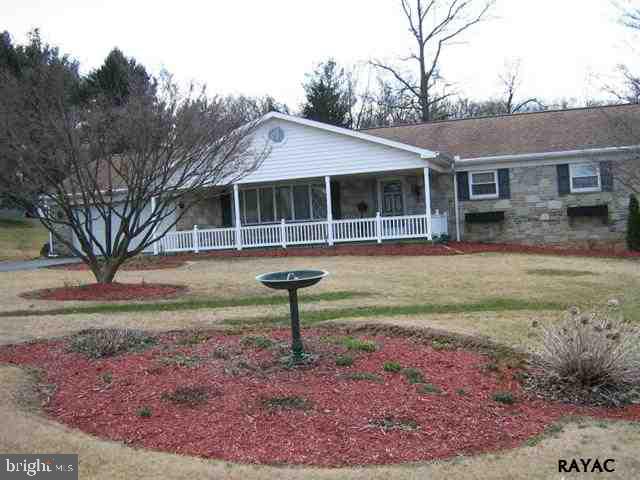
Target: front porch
[369, 207]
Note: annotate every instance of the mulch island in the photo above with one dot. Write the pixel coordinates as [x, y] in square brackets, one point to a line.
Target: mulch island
[363, 398]
[108, 292]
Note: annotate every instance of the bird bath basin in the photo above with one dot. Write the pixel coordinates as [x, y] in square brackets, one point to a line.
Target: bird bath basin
[292, 281]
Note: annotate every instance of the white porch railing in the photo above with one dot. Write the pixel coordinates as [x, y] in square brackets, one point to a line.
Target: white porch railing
[308, 233]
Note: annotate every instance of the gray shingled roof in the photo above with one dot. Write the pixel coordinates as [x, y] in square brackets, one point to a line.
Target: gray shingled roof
[538, 132]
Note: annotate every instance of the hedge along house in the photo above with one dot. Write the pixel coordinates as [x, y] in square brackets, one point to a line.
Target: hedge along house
[536, 178]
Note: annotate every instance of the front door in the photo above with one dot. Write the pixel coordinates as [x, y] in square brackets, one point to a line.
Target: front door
[392, 201]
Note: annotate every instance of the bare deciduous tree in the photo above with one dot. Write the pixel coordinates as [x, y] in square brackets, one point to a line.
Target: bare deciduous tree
[434, 24]
[71, 166]
[512, 81]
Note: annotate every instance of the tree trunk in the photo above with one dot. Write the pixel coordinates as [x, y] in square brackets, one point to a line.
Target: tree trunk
[105, 271]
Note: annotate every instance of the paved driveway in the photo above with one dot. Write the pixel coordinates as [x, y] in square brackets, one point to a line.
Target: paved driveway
[35, 264]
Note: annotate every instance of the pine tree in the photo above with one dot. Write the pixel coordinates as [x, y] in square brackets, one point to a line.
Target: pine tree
[329, 96]
[633, 224]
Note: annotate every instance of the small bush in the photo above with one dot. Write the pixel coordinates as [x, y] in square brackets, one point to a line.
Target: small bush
[462, 392]
[491, 367]
[344, 361]
[221, 353]
[351, 343]
[363, 376]
[633, 224]
[144, 412]
[591, 358]
[182, 360]
[392, 423]
[429, 389]
[392, 367]
[109, 342]
[413, 375]
[504, 397]
[190, 396]
[442, 345]
[194, 338]
[107, 377]
[258, 342]
[287, 403]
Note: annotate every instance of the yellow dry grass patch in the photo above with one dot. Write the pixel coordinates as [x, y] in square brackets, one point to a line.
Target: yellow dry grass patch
[99, 459]
[21, 239]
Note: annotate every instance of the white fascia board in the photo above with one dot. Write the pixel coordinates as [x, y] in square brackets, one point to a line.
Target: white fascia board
[534, 159]
[424, 153]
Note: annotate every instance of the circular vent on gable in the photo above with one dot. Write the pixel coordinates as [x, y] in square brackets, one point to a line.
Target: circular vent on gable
[276, 135]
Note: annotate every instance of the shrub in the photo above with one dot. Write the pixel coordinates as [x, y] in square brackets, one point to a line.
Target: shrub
[259, 342]
[504, 397]
[344, 360]
[633, 224]
[429, 389]
[413, 375]
[107, 377]
[144, 412]
[363, 376]
[292, 402]
[190, 396]
[351, 343]
[393, 367]
[591, 358]
[194, 338]
[442, 344]
[182, 360]
[109, 342]
[389, 423]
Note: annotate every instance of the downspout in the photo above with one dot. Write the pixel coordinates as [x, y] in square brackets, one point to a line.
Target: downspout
[455, 197]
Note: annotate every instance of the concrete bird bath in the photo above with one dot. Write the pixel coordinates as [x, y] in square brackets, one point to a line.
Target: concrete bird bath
[292, 281]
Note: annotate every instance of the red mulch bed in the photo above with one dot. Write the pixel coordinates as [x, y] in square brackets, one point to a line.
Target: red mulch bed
[338, 426]
[136, 264]
[108, 292]
[465, 247]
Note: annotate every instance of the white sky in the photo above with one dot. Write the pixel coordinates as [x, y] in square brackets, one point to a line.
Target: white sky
[257, 47]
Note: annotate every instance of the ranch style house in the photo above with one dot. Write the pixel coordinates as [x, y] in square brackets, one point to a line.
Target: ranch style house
[550, 177]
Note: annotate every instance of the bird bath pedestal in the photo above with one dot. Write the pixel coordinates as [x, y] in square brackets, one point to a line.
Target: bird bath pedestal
[292, 281]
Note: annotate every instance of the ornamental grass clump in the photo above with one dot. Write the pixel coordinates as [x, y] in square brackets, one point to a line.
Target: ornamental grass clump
[109, 342]
[589, 358]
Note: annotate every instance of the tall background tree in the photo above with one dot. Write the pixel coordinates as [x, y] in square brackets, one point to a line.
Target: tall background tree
[434, 25]
[329, 95]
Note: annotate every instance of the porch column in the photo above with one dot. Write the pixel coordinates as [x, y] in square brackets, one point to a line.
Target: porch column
[327, 189]
[427, 199]
[236, 209]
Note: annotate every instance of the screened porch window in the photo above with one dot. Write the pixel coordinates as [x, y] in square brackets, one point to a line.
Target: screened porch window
[483, 185]
[300, 202]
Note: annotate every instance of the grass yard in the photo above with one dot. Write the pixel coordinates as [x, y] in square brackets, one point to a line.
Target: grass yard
[493, 295]
[21, 239]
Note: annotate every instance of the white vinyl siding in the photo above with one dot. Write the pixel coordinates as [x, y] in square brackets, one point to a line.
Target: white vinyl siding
[308, 152]
[585, 177]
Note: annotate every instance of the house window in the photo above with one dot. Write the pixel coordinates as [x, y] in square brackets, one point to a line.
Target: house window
[585, 177]
[483, 185]
[290, 202]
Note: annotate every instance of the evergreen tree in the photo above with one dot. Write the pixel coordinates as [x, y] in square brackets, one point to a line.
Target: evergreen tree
[116, 78]
[633, 224]
[329, 96]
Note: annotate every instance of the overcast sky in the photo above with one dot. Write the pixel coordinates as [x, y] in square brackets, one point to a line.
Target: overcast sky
[257, 47]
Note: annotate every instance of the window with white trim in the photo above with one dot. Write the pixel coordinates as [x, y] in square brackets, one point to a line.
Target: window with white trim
[585, 177]
[299, 202]
[483, 185]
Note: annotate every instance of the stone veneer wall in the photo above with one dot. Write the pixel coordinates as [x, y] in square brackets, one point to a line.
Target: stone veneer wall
[206, 214]
[536, 214]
